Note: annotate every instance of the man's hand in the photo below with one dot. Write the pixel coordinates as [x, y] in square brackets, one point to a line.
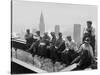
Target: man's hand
[64, 51]
[56, 47]
[77, 64]
[28, 50]
[48, 46]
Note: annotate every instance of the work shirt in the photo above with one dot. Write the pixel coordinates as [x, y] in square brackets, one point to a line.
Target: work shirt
[71, 45]
[53, 41]
[88, 48]
[29, 38]
[59, 42]
[90, 30]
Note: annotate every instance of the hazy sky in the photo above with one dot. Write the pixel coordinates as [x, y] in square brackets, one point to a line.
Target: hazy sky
[26, 14]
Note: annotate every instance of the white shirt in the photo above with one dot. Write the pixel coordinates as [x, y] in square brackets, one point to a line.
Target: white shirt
[71, 45]
[88, 48]
[93, 30]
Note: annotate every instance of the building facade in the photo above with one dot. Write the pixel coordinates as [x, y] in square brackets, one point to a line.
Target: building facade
[57, 29]
[77, 33]
[42, 25]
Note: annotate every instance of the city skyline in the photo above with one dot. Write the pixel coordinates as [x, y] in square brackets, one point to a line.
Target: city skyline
[26, 15]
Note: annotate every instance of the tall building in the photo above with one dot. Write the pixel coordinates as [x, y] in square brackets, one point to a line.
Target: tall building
[77, 33]
[41, 24]
[57, 29]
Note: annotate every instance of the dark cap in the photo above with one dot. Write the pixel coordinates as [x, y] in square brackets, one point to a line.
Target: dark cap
[52, 33]
[68, 36]
[90, 22]
[60, 33]
[38, 32]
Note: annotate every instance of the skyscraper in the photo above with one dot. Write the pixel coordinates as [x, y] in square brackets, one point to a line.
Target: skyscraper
[77, 33]
[41, 25]
[57, 29]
